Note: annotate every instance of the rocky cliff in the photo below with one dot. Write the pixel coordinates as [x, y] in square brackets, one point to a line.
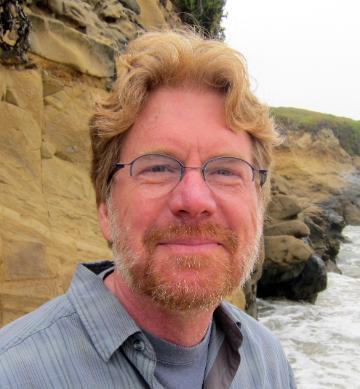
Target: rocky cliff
[315, 194]
[47, 207]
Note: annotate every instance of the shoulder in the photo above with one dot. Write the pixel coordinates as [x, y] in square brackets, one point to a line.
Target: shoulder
[17, 334]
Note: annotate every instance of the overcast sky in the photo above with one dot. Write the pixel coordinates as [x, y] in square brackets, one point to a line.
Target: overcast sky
[300, 53]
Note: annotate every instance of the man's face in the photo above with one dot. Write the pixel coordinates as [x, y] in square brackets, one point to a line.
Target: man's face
[189, 247]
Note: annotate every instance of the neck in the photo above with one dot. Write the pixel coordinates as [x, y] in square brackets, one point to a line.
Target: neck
[185, 328]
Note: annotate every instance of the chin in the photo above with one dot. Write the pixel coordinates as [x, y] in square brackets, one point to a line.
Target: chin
[185, 283]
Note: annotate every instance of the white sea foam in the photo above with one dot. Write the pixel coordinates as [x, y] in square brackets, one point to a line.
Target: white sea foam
[322, 341]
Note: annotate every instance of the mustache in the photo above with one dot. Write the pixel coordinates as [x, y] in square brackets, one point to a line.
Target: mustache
[222, 235]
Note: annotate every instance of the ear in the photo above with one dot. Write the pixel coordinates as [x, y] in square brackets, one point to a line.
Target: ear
[104, 220]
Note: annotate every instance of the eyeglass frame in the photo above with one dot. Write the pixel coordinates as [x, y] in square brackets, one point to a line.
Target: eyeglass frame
[121, 165]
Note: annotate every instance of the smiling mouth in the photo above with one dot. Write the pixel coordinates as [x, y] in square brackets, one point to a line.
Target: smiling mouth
[188, 247]
[189, 242]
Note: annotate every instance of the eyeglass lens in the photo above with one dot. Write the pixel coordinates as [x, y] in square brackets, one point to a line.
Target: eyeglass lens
[219, 172]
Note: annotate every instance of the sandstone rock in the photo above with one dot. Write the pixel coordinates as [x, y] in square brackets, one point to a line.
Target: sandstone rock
[295, 228]
[47, 205]
[311, 280]
[53, 40]
[309, 177]
[283, 207]
[51, 85]
[67, 113]
[112, 11]
[106, 21]
[20, 137]
[279, 185]
[22, 89]
[24, 259]
[322, 142]
[132, 4]
[77, 11]
[123, 31]
[325, 231]
[12, 307]
[285, 258]
[47, 150]
[150, 14]
[286, 250]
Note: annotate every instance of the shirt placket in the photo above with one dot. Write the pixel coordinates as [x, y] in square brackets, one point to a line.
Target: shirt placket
[140, 353]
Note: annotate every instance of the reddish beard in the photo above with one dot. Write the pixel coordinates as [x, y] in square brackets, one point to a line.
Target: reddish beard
[184, 282]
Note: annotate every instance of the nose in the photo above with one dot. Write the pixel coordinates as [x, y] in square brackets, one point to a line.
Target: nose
[192, 198]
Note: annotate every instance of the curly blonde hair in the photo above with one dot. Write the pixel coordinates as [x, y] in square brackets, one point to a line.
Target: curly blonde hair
[176, 58]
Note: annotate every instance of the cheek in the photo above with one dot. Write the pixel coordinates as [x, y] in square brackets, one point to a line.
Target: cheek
[244, 217]
[244, 211]
[137, 214]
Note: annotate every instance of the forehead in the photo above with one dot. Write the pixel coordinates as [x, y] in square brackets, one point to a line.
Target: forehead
[182, 121]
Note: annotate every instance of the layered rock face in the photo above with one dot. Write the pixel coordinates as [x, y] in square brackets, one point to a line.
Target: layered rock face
[47, 202]
[47, 205]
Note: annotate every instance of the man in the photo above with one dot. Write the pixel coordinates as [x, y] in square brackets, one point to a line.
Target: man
[180, 156]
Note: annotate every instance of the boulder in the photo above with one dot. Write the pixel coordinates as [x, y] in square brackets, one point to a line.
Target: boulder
[283, 207]
[285, 258]
[286, 250]
[305, 286]
[295, 228]
[325, 231]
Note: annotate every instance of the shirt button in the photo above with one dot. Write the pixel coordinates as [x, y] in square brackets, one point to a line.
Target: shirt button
[139, 345]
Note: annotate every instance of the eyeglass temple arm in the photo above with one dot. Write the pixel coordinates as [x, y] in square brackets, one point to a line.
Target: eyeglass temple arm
[263, 175]
[117, 167]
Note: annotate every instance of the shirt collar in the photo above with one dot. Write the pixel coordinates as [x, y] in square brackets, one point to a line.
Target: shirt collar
[105, 319]
[229, 324]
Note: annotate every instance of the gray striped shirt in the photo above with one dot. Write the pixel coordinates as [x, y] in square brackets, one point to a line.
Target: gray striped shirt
[86, 339]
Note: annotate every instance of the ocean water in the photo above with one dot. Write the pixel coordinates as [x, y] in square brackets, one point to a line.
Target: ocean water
[322, 341]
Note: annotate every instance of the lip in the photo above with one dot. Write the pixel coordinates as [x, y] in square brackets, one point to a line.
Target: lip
[188, 247]
[189, 242]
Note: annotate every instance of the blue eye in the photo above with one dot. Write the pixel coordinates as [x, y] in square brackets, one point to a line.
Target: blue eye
[158, 169]
[223, 172]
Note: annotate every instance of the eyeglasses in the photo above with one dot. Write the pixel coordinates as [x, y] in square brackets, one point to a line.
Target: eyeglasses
[163, 172]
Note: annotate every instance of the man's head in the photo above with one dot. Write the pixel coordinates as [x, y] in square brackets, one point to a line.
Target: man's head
[191, 236]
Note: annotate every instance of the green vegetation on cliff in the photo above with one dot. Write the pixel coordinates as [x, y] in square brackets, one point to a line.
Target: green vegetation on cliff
[345, 129]
[206, 14]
